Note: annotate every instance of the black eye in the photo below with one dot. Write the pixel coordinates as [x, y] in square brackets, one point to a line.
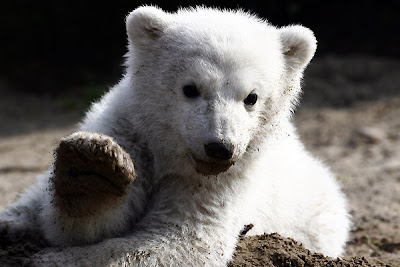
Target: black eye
[251, 99]
[190, 91]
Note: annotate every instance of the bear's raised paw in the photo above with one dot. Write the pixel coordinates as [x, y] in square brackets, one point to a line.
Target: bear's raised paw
[91, 173]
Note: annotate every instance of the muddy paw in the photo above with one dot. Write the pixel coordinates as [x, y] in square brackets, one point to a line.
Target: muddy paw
[91, 173]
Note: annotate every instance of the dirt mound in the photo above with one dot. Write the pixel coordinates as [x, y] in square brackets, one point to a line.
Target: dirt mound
[275, 250]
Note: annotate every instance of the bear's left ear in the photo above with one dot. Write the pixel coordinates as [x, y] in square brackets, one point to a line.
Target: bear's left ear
[298, 46]
[146, 24]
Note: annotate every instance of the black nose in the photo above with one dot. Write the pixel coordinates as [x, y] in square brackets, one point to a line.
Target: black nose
[220, 151]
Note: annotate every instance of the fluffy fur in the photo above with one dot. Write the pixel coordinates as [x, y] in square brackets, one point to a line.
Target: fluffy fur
[175, 212]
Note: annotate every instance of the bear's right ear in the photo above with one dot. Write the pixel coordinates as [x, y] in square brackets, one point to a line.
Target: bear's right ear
[145, 24]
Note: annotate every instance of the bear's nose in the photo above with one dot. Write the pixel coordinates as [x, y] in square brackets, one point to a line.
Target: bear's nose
[219, 150]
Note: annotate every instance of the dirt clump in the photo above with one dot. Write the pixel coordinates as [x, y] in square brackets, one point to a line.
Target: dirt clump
[275, 250]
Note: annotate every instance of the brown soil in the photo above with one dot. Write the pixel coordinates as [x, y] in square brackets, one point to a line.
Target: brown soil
[350, 118]
[275, 250]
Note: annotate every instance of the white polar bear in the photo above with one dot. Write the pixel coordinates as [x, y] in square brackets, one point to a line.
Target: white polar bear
[204, 112]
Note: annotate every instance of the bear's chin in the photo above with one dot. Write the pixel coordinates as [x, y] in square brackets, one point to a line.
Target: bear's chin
[212, 168]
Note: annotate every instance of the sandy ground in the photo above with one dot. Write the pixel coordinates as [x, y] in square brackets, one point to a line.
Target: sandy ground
[350, 118]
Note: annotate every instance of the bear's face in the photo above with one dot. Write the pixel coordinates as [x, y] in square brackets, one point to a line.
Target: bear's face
[209, 80]
[218, 109]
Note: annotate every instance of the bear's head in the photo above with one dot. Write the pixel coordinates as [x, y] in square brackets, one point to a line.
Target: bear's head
[207, 83]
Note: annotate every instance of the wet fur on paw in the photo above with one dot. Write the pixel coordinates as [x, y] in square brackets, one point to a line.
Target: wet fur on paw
[91, 173]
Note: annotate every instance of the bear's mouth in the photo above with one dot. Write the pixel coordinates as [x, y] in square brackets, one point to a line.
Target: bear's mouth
[212, 167]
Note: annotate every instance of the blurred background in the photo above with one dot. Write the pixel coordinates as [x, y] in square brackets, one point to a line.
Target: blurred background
[56, 57]
[48, 47]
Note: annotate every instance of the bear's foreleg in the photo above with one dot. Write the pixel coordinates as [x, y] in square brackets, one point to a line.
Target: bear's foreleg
[85, 201]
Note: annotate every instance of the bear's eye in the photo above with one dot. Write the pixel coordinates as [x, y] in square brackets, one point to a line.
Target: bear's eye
[251, 99]
[190, 91]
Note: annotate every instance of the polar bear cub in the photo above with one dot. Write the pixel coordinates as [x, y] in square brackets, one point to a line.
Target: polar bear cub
[195, 142]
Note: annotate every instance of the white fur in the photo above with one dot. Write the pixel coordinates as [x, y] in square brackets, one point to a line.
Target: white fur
[174, 215]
